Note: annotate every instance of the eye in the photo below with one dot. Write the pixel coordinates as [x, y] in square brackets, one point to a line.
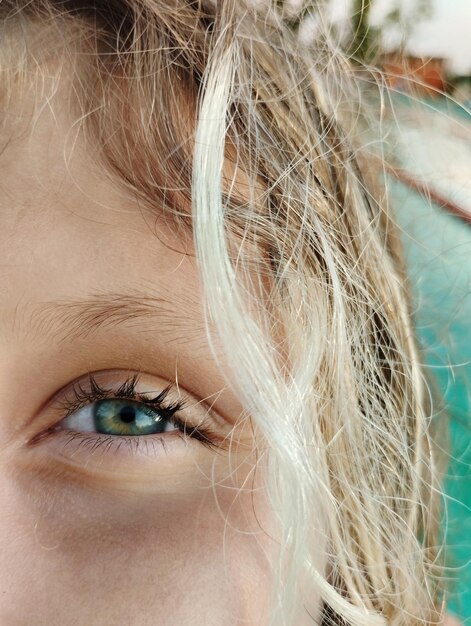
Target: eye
[113, 425]
[123, 417]
[119, 409]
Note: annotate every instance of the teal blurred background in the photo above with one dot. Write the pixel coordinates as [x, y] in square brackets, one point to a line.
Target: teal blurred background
[436, 147]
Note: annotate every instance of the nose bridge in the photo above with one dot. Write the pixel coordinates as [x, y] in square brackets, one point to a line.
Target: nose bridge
[13, 391]
[20, 347]
[23, 375]
[12, 309]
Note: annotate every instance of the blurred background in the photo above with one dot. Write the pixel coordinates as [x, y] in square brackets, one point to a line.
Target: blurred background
[423, 49]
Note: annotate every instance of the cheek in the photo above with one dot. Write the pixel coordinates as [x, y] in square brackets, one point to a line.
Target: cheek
[130, 558]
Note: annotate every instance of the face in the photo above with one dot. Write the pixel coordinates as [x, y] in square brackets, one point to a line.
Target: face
[128, 487]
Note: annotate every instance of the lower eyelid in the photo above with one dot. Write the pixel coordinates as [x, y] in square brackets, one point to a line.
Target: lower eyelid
[118, 456]
[99, 443]
[169, 464]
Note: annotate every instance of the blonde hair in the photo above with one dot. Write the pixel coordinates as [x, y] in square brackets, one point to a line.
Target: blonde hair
[302, 274]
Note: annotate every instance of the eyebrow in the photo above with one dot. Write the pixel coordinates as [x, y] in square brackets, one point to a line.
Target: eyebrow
[178, 318]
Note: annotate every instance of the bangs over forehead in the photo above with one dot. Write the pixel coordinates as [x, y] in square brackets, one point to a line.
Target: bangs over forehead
[134, 83]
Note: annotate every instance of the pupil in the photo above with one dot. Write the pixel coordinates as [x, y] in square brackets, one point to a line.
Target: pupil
[127, 414]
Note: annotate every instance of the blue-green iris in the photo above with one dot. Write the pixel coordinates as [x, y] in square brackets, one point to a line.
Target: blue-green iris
[125, 417]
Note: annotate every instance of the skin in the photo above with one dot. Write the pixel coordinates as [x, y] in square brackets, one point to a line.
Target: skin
[172, 533]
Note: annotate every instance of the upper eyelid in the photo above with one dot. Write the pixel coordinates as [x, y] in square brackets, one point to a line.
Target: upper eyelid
[50, 413]
[126, 389]
[55, 402]
[175, 327]
[203, 433]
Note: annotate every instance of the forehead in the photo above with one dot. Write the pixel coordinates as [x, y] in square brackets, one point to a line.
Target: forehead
[72, 233]
[69, 232]
[59, 202]
[55, 179]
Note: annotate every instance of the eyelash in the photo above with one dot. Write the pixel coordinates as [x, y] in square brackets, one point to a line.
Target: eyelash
[82, 396]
